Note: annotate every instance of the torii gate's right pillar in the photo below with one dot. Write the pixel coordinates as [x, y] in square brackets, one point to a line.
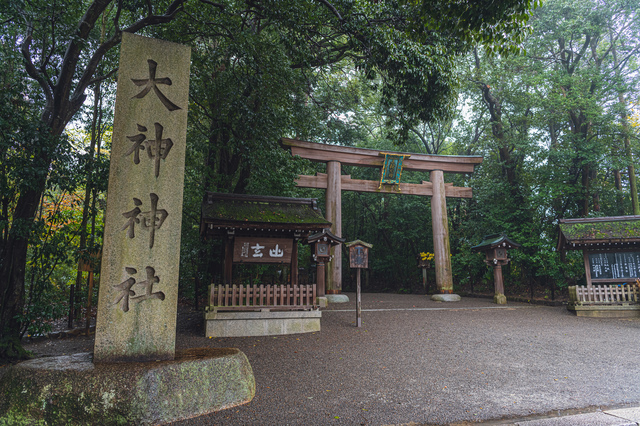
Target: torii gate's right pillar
[440, 224]
[334, 215]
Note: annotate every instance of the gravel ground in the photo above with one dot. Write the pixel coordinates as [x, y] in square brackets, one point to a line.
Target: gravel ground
[424, 362]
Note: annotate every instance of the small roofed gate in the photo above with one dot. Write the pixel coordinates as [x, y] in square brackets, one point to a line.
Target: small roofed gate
[611, 254]
[391, 164]
[260, 230]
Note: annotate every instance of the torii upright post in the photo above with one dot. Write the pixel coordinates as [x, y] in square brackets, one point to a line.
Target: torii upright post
[334, 215]
[440, 225]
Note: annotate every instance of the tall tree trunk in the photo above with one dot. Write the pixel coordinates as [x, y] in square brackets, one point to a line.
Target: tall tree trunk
[13, 261]
[494, 107]
[504, 148]
[633, 189]
[75, 302]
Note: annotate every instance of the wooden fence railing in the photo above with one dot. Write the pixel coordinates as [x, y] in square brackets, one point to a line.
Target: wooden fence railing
[604, 294]
[281, 297]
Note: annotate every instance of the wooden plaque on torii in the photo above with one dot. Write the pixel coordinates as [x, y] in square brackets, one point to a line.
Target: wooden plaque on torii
[334, 183]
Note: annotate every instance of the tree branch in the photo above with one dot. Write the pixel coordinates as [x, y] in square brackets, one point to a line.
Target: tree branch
[30, 67]
[86, 78]
[332, 9]
[104, 77]
[218, 5]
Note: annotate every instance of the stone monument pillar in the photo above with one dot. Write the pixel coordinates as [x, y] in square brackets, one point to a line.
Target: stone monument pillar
[139, 277]
[137, 305]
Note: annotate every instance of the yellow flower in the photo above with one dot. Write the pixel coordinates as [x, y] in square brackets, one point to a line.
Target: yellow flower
[426, 256]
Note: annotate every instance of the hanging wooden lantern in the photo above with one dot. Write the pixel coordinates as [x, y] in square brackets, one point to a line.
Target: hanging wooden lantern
[321, 243]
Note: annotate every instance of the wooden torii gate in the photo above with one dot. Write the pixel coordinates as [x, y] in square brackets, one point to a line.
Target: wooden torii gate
[335, 183]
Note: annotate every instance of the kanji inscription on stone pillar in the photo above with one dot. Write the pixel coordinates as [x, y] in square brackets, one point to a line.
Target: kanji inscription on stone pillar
[139, 277]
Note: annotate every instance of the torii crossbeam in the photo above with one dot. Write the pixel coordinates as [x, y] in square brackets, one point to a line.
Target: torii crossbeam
[335, 183]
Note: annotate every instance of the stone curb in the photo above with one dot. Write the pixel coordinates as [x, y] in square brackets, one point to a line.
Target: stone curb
[517, 299]
[629, 416]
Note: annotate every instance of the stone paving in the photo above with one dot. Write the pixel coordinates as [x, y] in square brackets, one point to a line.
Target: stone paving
[613, 417]
[416, 361]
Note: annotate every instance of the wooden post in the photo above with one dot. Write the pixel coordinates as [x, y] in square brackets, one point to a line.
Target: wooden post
[358, 300]
[294, 262]
[334, 215]
[587, 268]
[497, 279]
[442, 259]
[320, 278]
[498, 284]
[228, 260]
[424, 279]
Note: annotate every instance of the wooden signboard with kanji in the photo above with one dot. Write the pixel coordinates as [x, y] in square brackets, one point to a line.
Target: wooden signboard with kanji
[262, 250]
[359, 257]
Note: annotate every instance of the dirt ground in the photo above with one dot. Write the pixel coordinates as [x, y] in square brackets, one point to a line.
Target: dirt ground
[415, 360]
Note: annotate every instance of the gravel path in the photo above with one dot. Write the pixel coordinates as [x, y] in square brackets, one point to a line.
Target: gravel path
[415, 360]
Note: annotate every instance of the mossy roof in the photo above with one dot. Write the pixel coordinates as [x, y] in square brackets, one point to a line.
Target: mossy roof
[493, 241]
[231, 211]
[578, 233]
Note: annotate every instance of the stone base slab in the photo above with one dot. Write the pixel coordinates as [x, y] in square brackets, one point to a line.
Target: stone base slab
[322, 301]
[338, 298]
[605, 311]
[263, 323]
[72, 390]
[446, 298]
[500, 299]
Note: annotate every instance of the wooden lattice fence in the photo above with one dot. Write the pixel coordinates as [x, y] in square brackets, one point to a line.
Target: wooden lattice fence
[259, 297]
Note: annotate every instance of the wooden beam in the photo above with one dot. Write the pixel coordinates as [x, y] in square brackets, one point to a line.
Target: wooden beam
[425, 188]
[371, 158]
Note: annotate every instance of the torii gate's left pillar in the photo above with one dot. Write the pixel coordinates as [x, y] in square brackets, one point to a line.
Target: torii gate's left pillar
[334, 215]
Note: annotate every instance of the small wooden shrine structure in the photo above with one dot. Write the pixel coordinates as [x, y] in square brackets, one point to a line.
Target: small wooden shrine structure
[321, 253]
[611, 253]
[495, 247]
[391, 165]
[260, 230]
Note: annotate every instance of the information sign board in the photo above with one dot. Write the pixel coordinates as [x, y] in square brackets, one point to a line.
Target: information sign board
[618, 265]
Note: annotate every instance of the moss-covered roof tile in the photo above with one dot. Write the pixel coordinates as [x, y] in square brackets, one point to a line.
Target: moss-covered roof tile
[494, 240]
[601, 229]
[224, 208]
[599, 233]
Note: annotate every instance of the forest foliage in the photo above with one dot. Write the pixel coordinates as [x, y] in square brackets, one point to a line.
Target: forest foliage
[545, 93]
